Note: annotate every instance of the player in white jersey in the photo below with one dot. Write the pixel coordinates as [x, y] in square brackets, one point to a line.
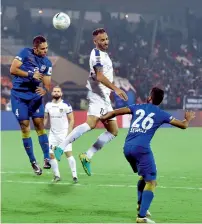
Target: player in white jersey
[61, 124]
[100, 86]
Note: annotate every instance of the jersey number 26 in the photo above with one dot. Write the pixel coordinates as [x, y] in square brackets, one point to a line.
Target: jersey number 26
[147, 123]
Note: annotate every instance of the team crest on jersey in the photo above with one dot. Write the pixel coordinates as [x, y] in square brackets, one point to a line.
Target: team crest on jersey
[43, 67]
[61, 110]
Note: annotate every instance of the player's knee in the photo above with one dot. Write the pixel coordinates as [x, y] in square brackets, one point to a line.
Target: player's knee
[52, 156]
[68, 154]
[91, 124]
[114, 132]
[38, 124]
[25, 128]
[150, 185]
[39, 127]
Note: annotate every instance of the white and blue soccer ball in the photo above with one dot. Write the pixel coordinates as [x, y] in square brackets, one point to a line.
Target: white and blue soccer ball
[61, 21]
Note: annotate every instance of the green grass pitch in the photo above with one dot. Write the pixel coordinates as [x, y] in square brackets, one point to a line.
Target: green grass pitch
[109, 195]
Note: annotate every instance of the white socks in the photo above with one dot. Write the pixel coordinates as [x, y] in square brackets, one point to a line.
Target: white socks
[76, 133]
[54, 166]
[72, 165]
[101, 141]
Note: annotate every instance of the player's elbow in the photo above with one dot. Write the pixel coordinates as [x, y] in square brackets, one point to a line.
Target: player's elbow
[184, 126]
[48, 87]
[99, 77]
[12, 70]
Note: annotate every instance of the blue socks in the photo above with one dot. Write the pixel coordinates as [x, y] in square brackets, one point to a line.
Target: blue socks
[43, 141]
[27, 142]
[140, 187]
[147, 197]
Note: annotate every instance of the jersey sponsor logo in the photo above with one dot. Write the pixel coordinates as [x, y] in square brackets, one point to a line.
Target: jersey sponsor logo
[54, 116]
[43, 68]
[36, 69]
[98, 59]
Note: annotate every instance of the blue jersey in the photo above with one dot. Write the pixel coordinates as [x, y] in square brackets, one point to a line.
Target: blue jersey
[146, 119]
[24, 87]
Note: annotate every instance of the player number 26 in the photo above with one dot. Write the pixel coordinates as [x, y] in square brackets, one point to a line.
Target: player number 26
[147, 123]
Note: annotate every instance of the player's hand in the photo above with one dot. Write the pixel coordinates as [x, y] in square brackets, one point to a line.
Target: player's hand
[121, 94]
[40, 91]
[189, 115]
[103, 118]
[38, 76]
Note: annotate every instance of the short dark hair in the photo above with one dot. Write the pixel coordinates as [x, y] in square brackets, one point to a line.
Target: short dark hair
[38, 40]
[157, 95]
[57, 87]
[98, 31]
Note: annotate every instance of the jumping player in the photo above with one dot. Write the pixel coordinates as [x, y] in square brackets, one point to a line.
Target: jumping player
[99, 88]
[30, 68]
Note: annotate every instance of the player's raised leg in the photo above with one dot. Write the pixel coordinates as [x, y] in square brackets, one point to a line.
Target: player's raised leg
[43, 140]
[75, 134]
[104, 138]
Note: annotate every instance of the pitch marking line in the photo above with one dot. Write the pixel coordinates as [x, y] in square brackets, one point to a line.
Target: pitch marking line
[98, 174]
[98, 185]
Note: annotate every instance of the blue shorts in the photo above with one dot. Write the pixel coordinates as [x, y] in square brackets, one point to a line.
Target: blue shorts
[24, 109]
[142, 161]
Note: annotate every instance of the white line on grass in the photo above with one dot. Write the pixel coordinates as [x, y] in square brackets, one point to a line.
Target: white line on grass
[97, 185]
[98, 174]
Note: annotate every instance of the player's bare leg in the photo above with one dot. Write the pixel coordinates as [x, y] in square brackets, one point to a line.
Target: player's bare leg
[147, 197]
[72, 165]
[75, 134]
[112, 131]
[27, 142]
[43, 140]
[107, 136]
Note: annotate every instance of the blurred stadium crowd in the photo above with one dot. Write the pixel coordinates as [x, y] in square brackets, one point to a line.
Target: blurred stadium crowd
[145, 52]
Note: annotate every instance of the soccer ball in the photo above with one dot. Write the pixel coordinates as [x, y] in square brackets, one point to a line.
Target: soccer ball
[61, 21]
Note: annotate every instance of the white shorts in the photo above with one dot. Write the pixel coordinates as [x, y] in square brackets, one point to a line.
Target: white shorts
[98, 106]
[57, 139]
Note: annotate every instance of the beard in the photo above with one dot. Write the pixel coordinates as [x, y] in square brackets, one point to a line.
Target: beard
[56, 98]
[103, 47]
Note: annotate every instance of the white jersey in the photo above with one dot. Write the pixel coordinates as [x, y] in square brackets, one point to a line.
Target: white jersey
[58, 116]
[102, 59]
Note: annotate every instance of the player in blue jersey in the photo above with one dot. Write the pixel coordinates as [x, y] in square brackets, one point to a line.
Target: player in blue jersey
[31, 71]
[146, 119]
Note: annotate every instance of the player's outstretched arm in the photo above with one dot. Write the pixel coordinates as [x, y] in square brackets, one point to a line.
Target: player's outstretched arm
[105, 81]
[114, 113]
[189, 115]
